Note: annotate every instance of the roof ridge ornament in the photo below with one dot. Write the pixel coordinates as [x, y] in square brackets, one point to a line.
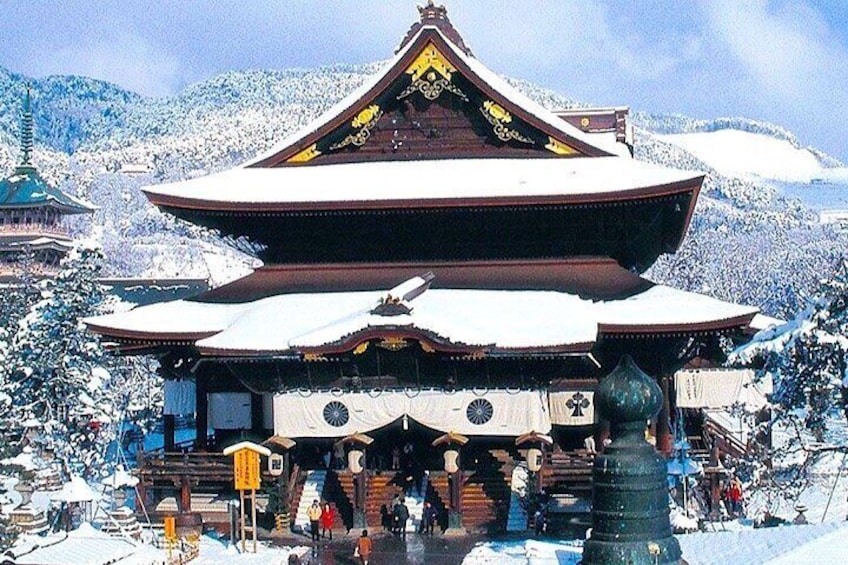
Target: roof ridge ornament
[436, 16]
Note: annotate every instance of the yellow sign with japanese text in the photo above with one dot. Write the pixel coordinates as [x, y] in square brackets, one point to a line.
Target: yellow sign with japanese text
[246, 469]
[170, 528]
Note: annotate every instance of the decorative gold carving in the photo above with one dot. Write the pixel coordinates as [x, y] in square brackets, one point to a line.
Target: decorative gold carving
[304, 156]
[585, 122]
[360, 349]
[393, 343]
[426, 348]
[430, 58]
[313, 357]
[560, 148]
[497, 111]
[431, 89]
[431, 75]
[364, 121]
[366, 116]
[496, 115]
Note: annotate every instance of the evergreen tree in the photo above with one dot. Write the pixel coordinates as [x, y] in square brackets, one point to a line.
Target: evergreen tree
[57, 369]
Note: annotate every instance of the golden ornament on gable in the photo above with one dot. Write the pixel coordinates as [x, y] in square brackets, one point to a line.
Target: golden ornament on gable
[497, 111]
[558, 147]
[430, 58]
[304, 156]
[365, 117]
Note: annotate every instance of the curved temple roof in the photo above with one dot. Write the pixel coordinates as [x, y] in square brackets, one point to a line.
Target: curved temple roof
[450, 320]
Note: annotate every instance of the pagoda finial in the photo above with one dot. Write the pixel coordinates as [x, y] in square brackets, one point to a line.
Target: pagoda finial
[26, 130]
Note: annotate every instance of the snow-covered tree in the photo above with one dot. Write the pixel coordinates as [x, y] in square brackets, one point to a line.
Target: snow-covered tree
[807, 360]
[58, 371]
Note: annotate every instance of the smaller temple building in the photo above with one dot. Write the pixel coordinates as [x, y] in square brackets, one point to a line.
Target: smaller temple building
[32, 237]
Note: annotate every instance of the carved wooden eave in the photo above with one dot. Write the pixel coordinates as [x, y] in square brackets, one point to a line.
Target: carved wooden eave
[428, 68]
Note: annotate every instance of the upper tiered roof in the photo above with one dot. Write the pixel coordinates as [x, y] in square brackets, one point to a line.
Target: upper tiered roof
[437, 144]
[26, 188]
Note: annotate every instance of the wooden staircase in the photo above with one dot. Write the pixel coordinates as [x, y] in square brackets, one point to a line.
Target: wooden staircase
[339, 490]
[569, 473]
[486, 492]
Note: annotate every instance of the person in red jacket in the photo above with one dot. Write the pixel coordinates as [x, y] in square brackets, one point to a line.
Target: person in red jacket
[328, 517]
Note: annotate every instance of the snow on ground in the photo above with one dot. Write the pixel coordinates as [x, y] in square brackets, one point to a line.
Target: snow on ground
[740, 153]
[218, 552]
[768, 545]
[525, 552]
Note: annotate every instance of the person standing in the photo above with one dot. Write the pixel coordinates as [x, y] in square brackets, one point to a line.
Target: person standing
[314, 515]
[328, 517]
[363, 547]
[402, 517]
[428, 519]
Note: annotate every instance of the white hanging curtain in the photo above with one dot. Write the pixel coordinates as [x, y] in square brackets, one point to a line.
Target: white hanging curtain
[489, 413]
[713, 388]
[229, 410]
[180, 397]
[572, 408]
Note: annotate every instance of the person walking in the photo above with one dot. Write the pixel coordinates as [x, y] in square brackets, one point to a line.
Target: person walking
[314, 515]
[363, 548]
[328, 517]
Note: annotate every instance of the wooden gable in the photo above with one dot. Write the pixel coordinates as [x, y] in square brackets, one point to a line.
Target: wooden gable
[430, 104]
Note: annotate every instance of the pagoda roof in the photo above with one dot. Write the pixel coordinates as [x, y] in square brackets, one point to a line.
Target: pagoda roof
[27, 189]
[445, 183]
[457, 321]
[37, 243]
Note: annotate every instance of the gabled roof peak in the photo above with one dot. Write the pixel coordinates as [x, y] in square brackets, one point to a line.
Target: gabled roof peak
[435, 16]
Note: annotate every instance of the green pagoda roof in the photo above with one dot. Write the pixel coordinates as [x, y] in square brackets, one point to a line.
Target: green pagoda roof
[26, 188]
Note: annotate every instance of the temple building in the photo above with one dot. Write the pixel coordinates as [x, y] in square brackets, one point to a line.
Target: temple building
[449, 269]
[32, 238]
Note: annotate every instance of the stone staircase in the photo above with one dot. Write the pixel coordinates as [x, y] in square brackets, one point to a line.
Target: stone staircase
[313, 489]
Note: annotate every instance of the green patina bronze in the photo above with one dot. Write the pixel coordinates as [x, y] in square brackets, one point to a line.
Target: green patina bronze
[630, 523]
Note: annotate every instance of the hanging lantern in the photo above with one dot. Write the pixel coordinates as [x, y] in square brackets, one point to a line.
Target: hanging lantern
[354, 461]
[451, 461]
[534, 459]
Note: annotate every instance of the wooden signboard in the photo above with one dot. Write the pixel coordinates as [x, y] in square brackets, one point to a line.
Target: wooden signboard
[247, 479]
[170, 528]
[246, 469]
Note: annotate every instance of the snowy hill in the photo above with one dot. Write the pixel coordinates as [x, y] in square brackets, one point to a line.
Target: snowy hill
[90, 132]
[744, 154]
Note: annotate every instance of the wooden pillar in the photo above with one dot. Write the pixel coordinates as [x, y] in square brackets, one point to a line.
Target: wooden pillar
[715, 488]
[664, 439]
[201, 416]
[256, 413]
[185, 495]
[168, 427]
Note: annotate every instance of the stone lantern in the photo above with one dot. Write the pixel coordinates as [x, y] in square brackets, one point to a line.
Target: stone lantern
[452, 443]
[630, 522]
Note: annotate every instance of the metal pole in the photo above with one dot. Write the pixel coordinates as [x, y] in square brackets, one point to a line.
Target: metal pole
[836, 482]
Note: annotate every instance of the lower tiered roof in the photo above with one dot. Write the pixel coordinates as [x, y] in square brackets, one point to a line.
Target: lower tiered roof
[473, 321]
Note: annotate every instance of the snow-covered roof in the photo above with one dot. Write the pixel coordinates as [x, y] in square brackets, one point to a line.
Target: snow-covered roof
[75, 490]
[463, 180]
[491, 79]
[489, 319]
[85, 546]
